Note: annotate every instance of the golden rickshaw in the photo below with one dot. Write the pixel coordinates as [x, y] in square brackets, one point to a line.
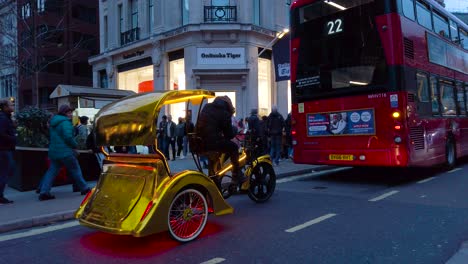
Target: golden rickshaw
[138, 195]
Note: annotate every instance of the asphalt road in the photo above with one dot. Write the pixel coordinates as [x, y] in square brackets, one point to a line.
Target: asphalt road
[351, 216]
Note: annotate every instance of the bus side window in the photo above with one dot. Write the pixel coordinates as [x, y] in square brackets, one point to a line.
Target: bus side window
[435, 97]
[408, 9]
[423, 87]
[441, 25]
[423, 14]
[448, 99]
[461, 99]
[463, 38]
[454, 32]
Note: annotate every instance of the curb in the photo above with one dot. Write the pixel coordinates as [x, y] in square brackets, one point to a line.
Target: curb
[47, 219]
[37, 221]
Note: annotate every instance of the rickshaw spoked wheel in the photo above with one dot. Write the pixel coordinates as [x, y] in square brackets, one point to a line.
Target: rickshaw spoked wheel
[262, 182]
[187, 217]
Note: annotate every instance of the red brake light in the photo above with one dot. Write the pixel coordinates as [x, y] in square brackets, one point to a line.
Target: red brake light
[86, 198]
[397, 127]
[148, 208]
[293, 132]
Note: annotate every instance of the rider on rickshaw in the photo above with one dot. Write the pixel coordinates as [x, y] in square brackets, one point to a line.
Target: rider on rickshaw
[215, 128]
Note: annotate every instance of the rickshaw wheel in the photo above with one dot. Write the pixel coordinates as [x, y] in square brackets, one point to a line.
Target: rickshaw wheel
[187, 215]
[262, 182]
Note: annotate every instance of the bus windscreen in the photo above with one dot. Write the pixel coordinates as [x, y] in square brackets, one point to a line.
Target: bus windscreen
[339, 50]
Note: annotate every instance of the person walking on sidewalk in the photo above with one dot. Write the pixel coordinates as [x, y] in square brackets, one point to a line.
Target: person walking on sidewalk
[180, 134]
[7, 147]
[275, 125]
[170, 138]
[62, 153]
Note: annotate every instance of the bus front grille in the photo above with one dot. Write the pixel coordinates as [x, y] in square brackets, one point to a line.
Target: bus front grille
[417, 137]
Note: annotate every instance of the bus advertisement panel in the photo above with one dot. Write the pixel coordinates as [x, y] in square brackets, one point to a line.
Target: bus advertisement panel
[376, 83]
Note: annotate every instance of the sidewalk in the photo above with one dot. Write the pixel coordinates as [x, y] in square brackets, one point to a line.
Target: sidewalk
[27, 211]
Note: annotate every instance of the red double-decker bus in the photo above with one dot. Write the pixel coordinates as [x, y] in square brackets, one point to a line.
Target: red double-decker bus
[378, 83]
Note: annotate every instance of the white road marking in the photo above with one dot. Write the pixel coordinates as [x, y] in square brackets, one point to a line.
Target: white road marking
[312, 174]
[38, 231]
[309, 223]
[454, 170]
[383, 196]
[213, 261]
[426, 180]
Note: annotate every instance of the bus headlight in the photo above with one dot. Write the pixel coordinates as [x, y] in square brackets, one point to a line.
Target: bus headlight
[398, 140]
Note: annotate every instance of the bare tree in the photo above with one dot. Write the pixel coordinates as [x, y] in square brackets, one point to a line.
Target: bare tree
[35, 33]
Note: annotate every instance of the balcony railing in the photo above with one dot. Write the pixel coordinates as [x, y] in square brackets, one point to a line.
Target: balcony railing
[129, 36]
[220, 13]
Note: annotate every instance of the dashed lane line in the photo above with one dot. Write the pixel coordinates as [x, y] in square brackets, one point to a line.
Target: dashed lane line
[454, 170]
[38, 231]
[309, 223]
[426, 180]
[383, 196]
[213, 261]
[312, 174]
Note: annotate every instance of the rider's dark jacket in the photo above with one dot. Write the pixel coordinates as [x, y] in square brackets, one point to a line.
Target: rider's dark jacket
[214, 124]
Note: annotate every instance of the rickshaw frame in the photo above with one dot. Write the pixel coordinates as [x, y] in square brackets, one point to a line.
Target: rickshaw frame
[134, 192]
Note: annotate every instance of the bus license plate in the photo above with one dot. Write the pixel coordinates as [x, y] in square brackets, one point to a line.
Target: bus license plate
[340, 157]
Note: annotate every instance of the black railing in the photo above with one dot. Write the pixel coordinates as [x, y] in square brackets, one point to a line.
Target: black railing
[220, 13]
[129, 36]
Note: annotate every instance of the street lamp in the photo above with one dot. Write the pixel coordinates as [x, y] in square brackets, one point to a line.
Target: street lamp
[278, 36]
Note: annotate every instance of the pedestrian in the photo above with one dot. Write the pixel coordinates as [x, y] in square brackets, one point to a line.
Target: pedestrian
[275, 125]
[162, 130]
[254, 129]
[170, 138]
[264, 135]
[62, 152]
[7, 147]
[81, 132]
[180, 134]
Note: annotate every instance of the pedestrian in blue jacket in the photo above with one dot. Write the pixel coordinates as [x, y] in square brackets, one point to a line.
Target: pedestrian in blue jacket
[7, 147]
[62, 152]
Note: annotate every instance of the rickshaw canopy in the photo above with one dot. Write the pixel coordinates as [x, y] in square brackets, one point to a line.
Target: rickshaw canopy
[133, 120]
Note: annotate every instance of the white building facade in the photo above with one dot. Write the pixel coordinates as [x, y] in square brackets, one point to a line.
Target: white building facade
[193, 44]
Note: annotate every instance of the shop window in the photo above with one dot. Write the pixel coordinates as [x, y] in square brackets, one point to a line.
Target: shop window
[435, 97]
[177, 82]
[264, 86]
[408, 9]
[131, 75]
[447, 96]
[461, 99]
[423, 15]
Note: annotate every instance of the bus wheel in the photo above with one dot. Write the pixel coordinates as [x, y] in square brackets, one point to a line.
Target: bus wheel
[450, 155]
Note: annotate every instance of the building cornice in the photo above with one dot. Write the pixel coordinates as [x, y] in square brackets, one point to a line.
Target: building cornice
[211, 27]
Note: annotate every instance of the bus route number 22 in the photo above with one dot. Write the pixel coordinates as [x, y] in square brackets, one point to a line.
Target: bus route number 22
[334, 27]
